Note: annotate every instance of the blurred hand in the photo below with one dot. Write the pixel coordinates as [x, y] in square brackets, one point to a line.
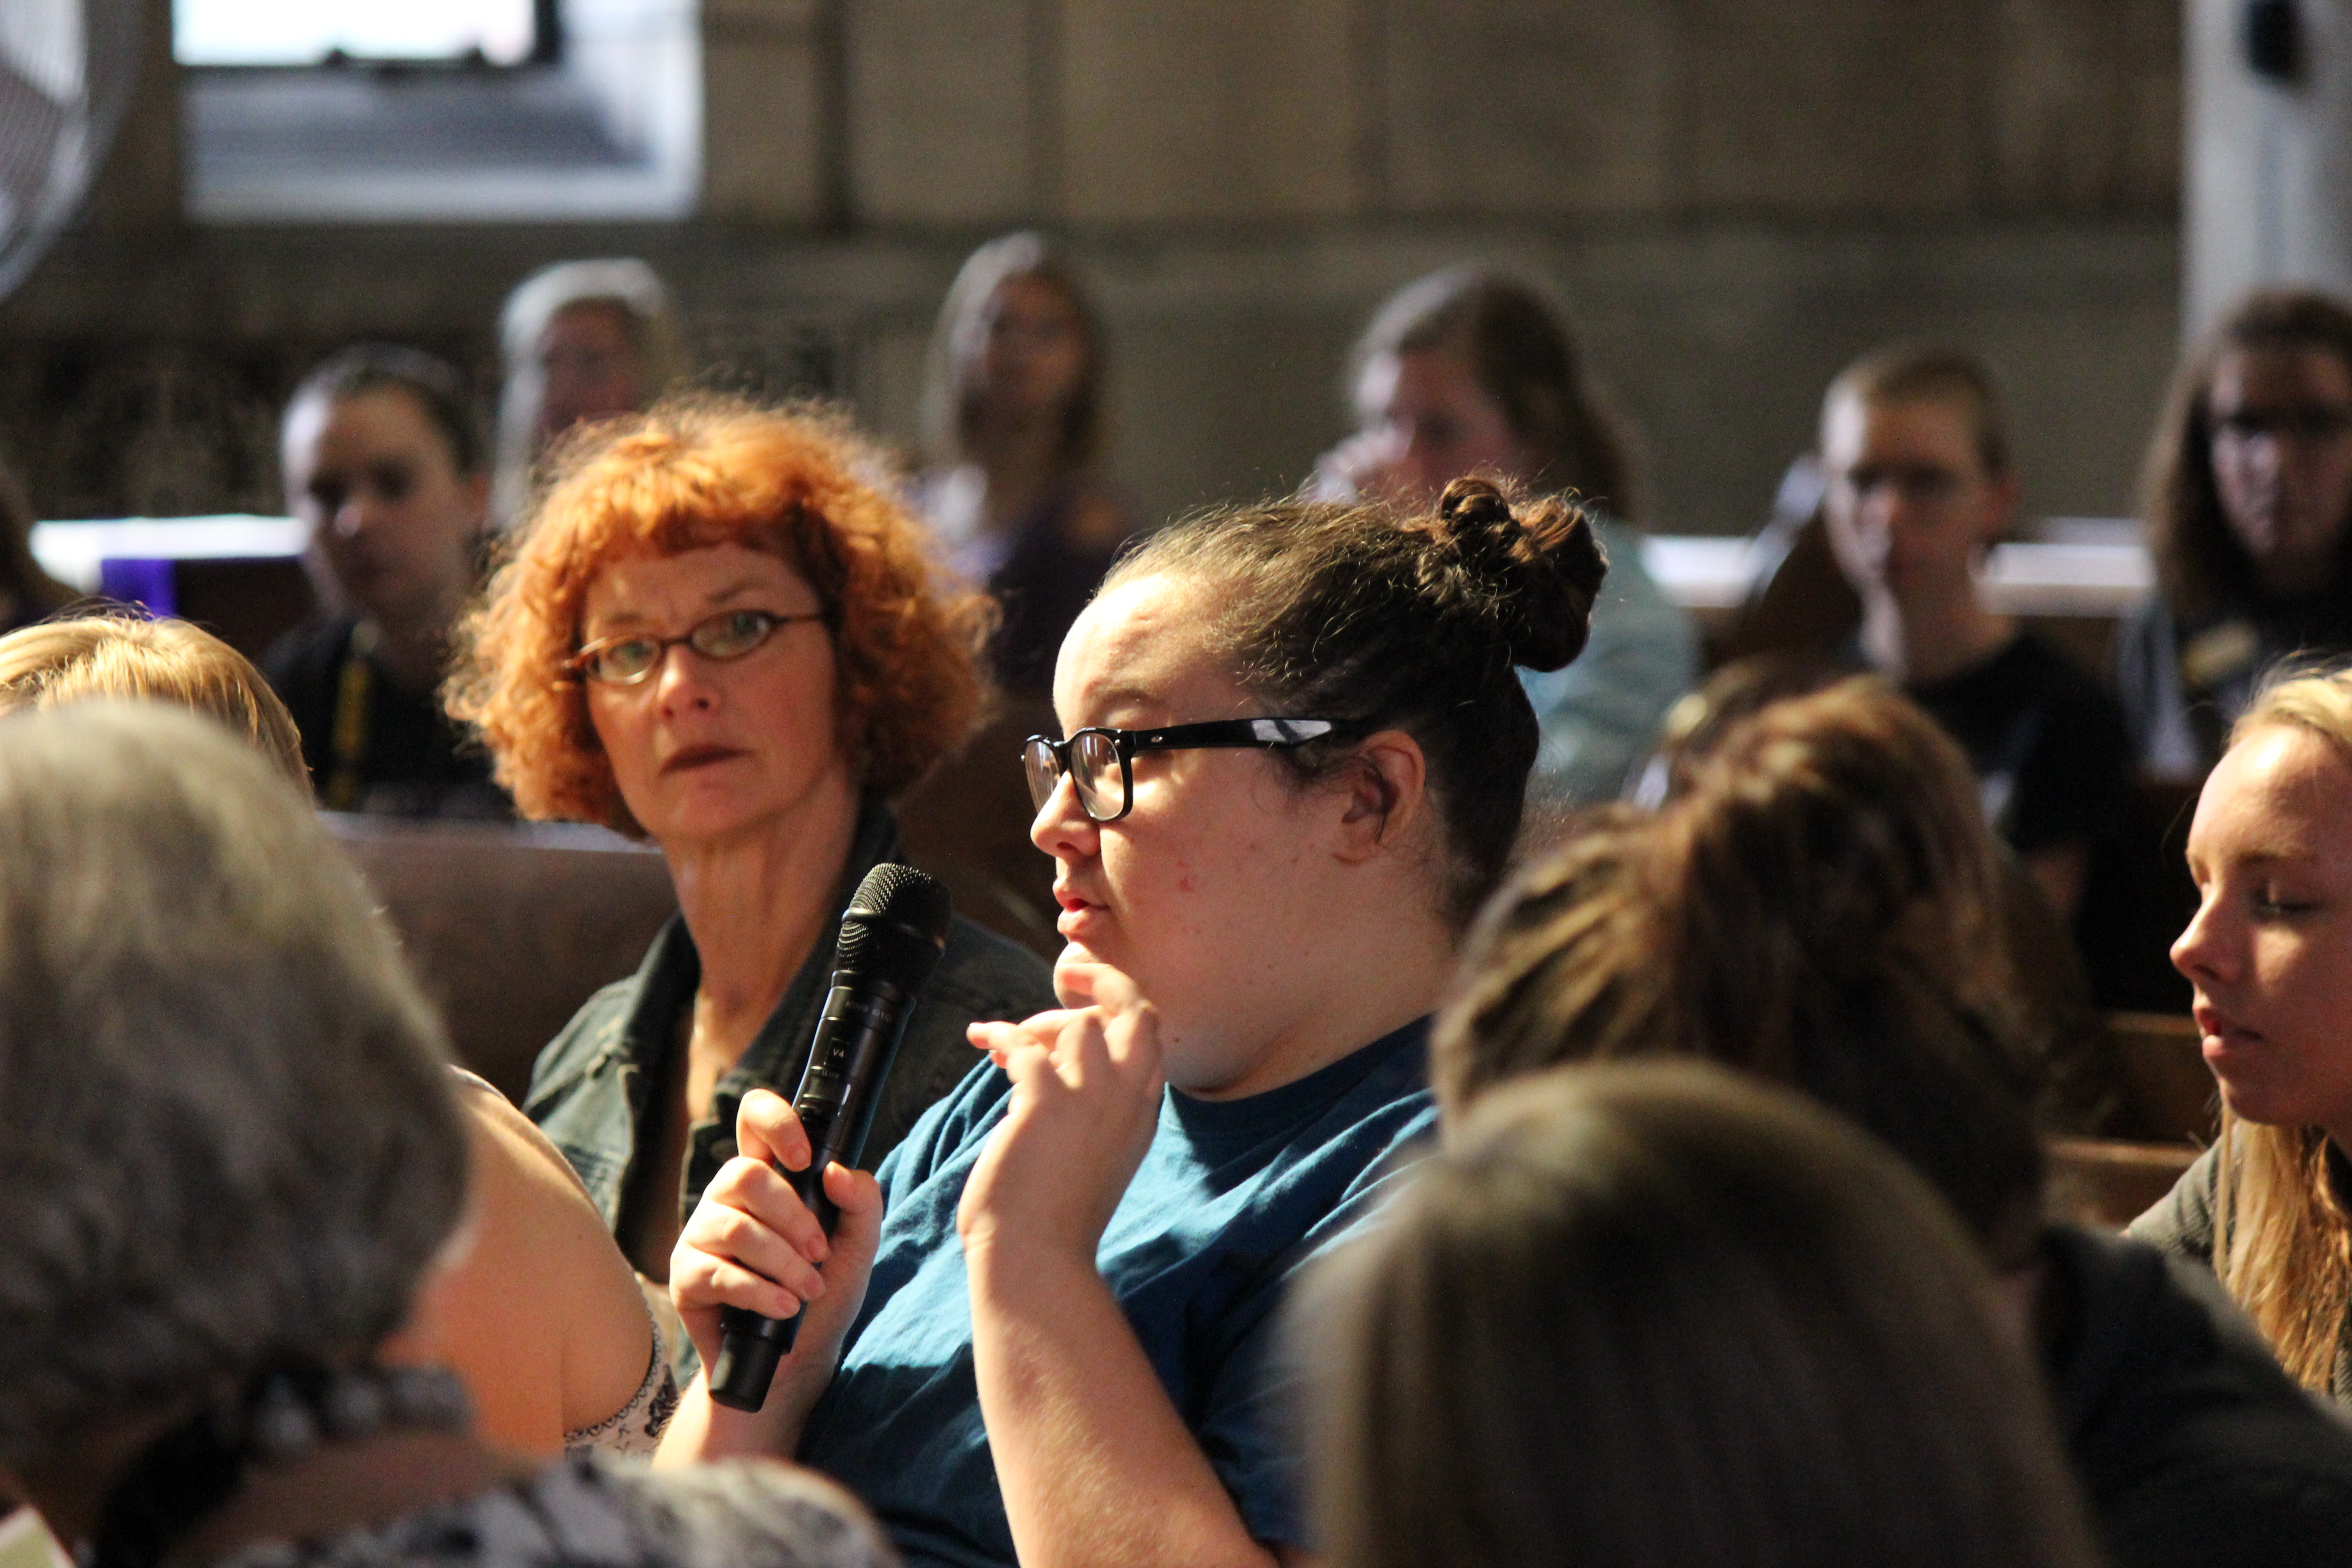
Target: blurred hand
[1360, 468]
[751, 1243]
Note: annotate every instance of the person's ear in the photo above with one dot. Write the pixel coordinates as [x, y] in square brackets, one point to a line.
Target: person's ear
[1387, 792]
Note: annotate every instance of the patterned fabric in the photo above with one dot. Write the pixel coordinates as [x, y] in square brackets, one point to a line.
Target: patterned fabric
[583, 1511]
[634, 1431]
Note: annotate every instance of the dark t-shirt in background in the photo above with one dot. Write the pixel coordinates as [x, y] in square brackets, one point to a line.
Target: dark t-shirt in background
[2045, 741]
[416, 762]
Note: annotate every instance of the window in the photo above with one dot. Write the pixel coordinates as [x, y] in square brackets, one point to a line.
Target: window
[351, 111]
[307, 32]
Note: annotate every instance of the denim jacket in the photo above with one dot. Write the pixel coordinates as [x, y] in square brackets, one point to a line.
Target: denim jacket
[589, 1089]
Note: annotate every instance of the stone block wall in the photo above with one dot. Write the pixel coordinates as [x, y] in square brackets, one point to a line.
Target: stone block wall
[1732, 198]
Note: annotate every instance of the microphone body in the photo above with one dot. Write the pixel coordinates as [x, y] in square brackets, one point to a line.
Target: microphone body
[891, 937]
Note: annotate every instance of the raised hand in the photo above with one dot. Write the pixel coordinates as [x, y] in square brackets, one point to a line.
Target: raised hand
[1086, 1082]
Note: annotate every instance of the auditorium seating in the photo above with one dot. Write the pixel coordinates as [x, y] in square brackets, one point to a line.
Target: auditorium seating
[509, 928]
[2110, 1182]
[2169, 1093]
[967, 823]
[2167, 1112]
[512, 927]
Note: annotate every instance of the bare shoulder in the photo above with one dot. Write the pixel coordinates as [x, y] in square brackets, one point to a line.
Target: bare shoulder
[520, 1149]
[542, 1259]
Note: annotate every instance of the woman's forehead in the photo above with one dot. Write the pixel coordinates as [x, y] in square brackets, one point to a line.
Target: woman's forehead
[1142, 641]
[2284, 791]
[702, 575]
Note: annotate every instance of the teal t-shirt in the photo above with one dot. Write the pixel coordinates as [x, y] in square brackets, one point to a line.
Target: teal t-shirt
[1232, 1198]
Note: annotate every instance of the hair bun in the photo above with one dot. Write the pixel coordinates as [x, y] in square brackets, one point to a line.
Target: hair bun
[1536, 566]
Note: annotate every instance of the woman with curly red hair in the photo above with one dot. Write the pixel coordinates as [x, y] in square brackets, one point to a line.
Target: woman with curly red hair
[716, 632]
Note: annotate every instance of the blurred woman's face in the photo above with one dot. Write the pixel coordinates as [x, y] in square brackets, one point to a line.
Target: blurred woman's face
[389, 513]
[2269, 951]
[703, 748]
[1433, 423]
[2282, 423]
[1200, 893]
[589, 367]
[1032, 350]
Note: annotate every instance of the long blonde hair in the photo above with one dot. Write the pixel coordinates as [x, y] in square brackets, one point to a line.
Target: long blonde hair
[2282, 1241]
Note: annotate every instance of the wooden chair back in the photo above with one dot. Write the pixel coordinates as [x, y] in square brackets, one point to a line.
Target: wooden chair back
[2111, 1183]
[2169, 1095]
[509, 928]
[967, 823]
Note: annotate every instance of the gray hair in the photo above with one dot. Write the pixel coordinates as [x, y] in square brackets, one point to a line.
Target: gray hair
[227, 1132]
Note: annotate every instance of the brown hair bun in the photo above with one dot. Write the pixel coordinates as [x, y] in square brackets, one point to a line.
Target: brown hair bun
[1536, 568]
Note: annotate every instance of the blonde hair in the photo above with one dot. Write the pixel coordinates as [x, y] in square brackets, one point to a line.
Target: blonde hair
[57, 662]
[2282, 1242]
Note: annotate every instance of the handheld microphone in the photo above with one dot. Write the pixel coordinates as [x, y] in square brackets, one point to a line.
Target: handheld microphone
[891, 937]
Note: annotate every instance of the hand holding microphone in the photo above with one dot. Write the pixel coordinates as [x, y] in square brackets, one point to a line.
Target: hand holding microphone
[891, 937]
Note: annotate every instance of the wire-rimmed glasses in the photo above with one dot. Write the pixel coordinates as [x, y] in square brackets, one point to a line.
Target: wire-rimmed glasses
[630, 657]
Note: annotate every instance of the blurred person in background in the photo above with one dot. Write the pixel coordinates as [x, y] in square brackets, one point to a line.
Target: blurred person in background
[1012, 415]
[1646, 1314]
[2088, 1083]
[580, 340]
[1820, 907]
[2247, 491]
[235, 1182]
[1473, 371]
[1920, 486]
[541, 1317]
[383, 461]
[2270, 955]
[717, 632]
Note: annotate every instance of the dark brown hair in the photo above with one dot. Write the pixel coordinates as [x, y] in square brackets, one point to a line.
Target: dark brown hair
[1411, 622]
[436, 387]
[2200, 566]
[1823, 908]
[951, 408]
[1657, 1317]
[1931, 372]
[1523, 356]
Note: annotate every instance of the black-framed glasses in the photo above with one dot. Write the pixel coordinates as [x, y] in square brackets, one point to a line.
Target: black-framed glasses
[626, 659]
[1101, 761]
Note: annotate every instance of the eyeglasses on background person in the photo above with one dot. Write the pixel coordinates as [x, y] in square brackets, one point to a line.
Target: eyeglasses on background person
[629, 658]
[1101, 761]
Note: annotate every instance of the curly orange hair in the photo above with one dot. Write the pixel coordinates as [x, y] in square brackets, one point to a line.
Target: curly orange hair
[698, 472]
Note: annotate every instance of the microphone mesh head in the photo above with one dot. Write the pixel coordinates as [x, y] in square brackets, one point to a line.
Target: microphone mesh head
[896, 914]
